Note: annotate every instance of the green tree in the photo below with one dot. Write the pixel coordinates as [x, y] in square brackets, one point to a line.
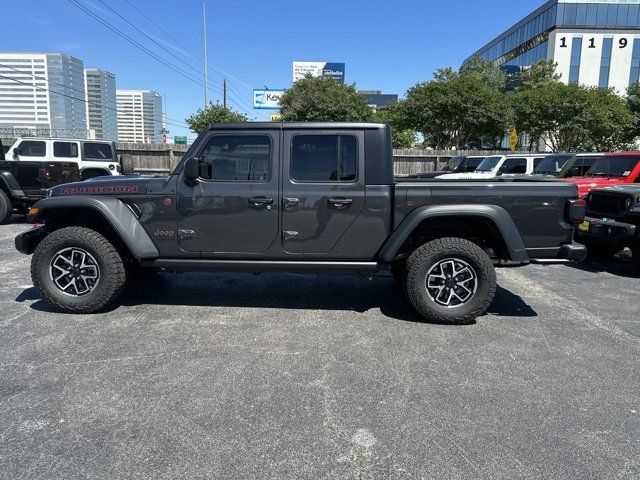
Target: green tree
[402, 138]
[633, 104]
[204, 117]
[323, 99]
[573, 117]
[537, 74]
[452, 109]
[486, 72]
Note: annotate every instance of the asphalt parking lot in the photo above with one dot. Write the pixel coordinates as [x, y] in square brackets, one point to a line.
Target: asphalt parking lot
[284, 376]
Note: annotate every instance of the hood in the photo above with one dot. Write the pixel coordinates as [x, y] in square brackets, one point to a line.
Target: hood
[586, 184]
[108, 185]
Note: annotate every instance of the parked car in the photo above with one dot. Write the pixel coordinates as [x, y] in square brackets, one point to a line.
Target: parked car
[611, 169]
[297, 197]
[461, 164]
[612, 222]
[496, 165]
[33, 165]
[565, 165]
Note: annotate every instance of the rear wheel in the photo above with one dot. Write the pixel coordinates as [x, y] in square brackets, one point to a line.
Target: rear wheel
[450, 280]
[635, 251]
[77, 270]
[6, 209]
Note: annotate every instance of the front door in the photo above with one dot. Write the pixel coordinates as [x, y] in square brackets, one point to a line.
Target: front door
[233, 207]
[323, 189]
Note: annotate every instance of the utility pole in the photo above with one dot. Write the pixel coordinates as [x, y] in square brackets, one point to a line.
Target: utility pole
[224, 93]
[204, 51]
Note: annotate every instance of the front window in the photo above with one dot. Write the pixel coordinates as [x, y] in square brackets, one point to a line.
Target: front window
[551, 165]
[236, 158]
[488, 164]
[470, 164]
[97, 151]
[454, 163]
[513, 166]
[324, 158]
[614, 166]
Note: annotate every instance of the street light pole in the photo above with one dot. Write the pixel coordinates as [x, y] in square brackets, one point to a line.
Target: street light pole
[204, 51]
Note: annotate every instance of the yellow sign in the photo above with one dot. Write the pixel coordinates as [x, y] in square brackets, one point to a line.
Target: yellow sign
[276, 117]
[513, 140]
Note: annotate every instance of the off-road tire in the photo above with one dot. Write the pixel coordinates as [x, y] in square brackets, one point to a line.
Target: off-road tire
[425, 257]
[126, 164]
[6, 209]
[112, 271]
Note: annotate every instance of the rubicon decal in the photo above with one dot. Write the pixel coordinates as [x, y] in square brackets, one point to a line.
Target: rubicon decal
[99, 190]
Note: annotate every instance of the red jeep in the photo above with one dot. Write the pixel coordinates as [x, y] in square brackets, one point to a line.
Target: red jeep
[611, 169]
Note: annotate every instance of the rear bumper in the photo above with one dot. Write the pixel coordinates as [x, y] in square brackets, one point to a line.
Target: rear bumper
[27, 241]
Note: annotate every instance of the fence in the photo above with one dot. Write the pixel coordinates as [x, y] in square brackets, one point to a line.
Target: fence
[162, 158]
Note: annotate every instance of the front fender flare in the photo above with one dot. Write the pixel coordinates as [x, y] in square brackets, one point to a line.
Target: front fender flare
[494, 213]
[119, 216]
[11, 185]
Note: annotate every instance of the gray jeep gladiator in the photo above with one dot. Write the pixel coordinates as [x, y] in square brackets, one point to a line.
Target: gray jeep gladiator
[298, 197]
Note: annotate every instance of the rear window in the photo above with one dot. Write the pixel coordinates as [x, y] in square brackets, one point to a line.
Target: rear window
[324, 158]
[97, 151]
[614, 166]
[65, 149]
[33, 148]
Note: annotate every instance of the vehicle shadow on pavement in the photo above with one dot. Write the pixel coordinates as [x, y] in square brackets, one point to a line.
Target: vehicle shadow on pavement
[284, 291]
[620, 266]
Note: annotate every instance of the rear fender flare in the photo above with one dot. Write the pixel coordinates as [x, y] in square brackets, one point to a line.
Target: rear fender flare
[119, 216]
[494, 213]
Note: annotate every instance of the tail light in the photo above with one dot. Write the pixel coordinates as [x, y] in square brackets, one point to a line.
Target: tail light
[576, 210]
[44, 174]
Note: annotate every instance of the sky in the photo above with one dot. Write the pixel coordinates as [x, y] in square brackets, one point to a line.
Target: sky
[386, 46]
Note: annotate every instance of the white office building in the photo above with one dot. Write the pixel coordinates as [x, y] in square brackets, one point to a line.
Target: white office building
[101, 106]
[594, 42]
[139, 116]
[42, 94]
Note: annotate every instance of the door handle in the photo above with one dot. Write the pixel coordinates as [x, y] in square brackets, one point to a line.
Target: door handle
[340, 202]
[261, 201]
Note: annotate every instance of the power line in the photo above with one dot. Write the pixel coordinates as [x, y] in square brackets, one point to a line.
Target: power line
[184, 49]
[37, 87]
[135, 43]
[72, 89]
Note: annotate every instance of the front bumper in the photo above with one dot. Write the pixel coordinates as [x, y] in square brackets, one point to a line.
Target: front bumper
[608, 231]
[27, 241]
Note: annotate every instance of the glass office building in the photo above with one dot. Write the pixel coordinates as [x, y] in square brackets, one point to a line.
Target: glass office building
[101, 104]
[594, 42]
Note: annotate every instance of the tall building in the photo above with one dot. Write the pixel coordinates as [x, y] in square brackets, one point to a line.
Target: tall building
[43, 94]
[102, 121]
[139, 116]
[378, 100]
[594, 42]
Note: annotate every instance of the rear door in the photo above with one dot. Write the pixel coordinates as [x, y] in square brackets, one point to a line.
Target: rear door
[323, 188]
[66, 160]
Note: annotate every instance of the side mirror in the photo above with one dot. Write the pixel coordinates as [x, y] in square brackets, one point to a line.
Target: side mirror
[191, 170]
[499, 172]
[573, 172]
[16, 152]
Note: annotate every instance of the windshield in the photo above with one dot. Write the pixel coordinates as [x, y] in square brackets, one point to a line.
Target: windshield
[552, 165]
[454, 163]
[488, 164]
[613, 166]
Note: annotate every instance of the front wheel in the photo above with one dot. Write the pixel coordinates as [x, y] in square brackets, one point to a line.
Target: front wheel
[6, 209]
[77, 270]
[450, 280]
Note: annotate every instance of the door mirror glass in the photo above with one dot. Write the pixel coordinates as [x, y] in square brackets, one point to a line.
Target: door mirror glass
[191, 168]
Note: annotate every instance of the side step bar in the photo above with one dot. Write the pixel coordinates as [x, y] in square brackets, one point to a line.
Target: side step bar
[365, 269]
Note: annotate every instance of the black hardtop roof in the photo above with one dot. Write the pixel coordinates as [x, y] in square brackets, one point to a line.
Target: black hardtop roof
[296, 125]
